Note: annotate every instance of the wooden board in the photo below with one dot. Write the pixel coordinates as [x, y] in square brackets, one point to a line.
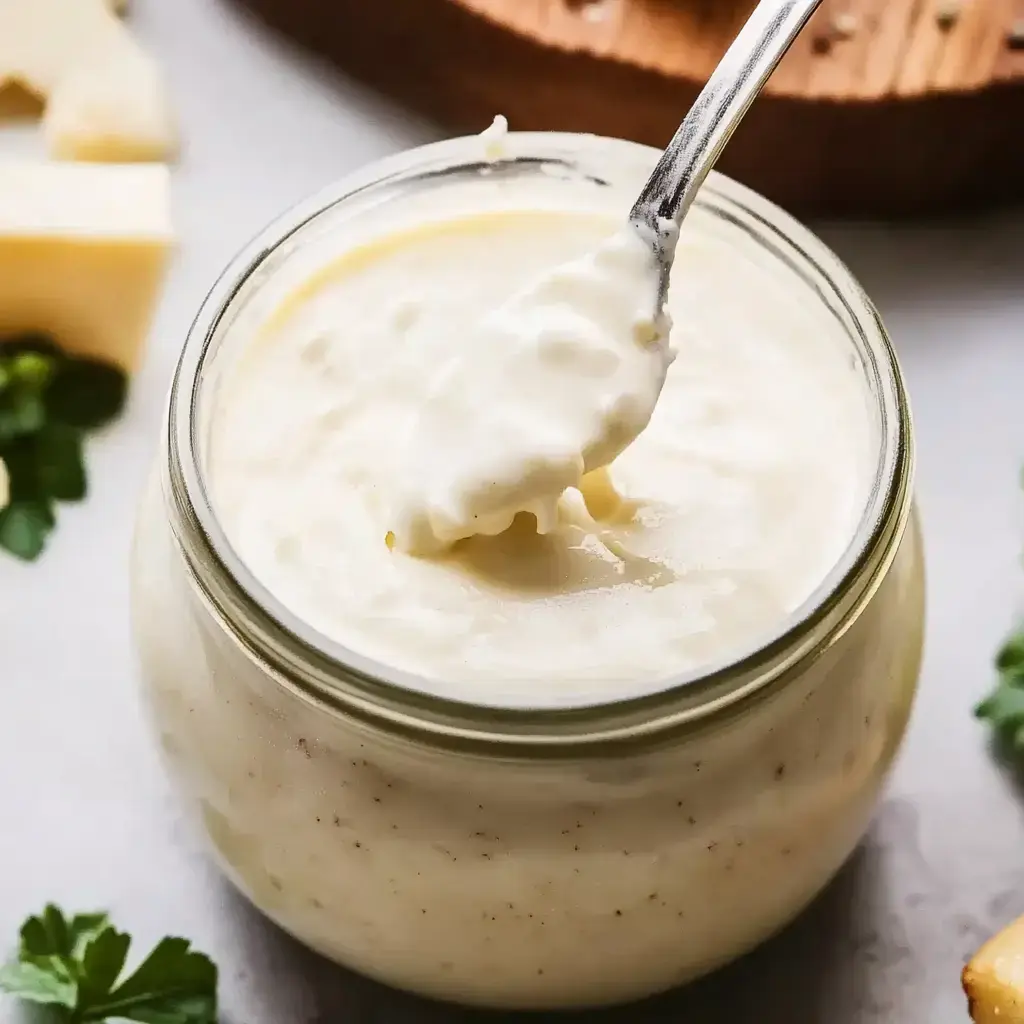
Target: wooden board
[882, 107]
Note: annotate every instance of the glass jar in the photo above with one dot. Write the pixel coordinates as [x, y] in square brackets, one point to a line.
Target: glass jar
[511, 856]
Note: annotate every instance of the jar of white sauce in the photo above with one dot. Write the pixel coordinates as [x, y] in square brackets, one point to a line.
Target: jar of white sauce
[535, 771]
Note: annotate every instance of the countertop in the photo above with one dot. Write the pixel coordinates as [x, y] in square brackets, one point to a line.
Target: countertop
[88, 819]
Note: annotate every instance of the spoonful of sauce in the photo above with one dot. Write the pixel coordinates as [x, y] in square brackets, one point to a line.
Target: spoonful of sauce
[558, 380]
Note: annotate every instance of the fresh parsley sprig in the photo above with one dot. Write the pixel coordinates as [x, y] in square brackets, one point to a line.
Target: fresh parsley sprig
[1003, 708]
[76, 967]
[49, 401]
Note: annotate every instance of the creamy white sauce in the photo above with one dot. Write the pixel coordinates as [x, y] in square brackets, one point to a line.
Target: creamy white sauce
[553, 383]
[696, 543]
[459, 871]
[493, 137]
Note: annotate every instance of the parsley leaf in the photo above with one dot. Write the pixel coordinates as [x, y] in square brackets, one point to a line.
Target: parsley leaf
[173, 985]
[59, 462]
[77, 967]
[86, 393]
[21, 412]
[24, 527]
[48, 402]
[1003, 708]
[43, 981]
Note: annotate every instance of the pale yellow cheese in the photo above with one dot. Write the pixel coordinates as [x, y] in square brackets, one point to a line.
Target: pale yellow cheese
[994, 978]
[105, 97]
[83, 249]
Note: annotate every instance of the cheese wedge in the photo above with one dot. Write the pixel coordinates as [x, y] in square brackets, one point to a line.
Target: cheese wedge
[994, 978]
[83, 249]
[105, 97]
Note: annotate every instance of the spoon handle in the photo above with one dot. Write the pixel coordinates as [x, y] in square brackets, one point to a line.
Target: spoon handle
[739, 77]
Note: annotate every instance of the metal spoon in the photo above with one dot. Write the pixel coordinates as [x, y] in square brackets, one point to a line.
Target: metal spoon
[697, 143]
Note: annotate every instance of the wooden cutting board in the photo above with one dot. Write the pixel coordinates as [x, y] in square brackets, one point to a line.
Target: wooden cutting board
[883, 107]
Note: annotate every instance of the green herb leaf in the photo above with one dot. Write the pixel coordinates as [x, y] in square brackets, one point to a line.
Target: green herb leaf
[32, 341]
[102, 963]
[83, 929]
[174, 985]
[86, 393]
[60, 465]
[76, 965]
[24, 527]
[48, 401]
[1003, 708]
[1010, 659]
[43, 981]
[32, 369]
[21, 412]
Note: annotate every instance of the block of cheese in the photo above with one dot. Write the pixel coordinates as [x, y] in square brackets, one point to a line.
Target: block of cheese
[105, 97]
[83, 249]
[994, 978]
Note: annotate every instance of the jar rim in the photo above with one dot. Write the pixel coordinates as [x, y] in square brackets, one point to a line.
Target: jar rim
[328, 672]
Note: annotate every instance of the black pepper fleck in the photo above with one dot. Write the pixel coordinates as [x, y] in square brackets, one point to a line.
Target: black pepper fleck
[780, 771]
[304, 747]
[337, 822]
[692, 820]
[618, 913]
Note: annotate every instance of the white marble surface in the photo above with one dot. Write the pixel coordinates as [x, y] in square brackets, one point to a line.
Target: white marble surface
[87, 818]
